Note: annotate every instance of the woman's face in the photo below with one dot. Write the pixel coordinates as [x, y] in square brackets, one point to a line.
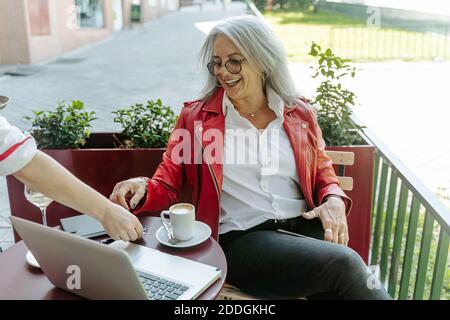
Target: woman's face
[237, 86]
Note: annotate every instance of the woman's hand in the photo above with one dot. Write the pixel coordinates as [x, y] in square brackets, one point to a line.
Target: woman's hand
[334, 220]
[135, 187]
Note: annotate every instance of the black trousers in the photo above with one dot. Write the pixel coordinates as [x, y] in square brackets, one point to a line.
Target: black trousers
[268, 264]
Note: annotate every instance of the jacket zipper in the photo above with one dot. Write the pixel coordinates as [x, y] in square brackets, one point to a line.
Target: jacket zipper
[213, 176]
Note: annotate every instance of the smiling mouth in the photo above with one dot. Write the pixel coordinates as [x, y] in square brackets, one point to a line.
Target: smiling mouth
[232, 83]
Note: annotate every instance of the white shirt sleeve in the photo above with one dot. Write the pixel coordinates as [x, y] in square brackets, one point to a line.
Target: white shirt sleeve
[16, 148]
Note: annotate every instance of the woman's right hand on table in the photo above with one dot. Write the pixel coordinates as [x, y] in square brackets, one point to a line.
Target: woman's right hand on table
[136, 188]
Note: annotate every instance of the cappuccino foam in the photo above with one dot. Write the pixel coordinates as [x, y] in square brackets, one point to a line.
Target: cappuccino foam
[181, 209]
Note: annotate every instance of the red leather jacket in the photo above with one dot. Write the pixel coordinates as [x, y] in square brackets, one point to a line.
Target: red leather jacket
[316, 174]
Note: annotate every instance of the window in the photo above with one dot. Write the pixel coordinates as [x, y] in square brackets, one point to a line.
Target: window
[90, 13]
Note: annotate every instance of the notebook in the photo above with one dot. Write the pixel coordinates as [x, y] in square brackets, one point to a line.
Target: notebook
[83, 226]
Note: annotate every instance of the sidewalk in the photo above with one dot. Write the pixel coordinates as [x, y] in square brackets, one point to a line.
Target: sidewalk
[159, 60]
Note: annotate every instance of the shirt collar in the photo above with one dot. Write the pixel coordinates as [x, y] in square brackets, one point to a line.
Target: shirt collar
[275, 102]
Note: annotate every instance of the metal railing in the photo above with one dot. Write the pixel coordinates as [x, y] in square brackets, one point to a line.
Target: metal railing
[406, 42]
[410, 230]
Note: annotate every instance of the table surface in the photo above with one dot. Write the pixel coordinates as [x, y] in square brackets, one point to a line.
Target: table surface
[18, 280]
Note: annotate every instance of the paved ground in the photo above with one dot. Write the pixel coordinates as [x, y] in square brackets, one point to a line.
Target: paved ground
[404, 103]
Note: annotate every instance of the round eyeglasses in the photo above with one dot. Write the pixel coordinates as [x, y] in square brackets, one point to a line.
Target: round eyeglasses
[233, 66]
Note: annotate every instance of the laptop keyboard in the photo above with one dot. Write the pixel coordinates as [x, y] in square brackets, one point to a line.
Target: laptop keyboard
[158, 288]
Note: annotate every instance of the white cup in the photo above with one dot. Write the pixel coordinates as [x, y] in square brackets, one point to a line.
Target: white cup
[181, 220]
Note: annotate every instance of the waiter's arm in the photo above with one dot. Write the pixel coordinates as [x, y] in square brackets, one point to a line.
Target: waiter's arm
[47, 176]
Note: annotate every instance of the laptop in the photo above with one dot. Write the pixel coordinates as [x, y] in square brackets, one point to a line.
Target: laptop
[120, 270]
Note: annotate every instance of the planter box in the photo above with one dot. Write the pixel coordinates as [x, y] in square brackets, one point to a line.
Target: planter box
[359, 218]
[99, 165]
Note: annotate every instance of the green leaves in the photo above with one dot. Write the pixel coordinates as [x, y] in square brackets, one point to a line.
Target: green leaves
[65, 128]
[315, 49]
[332, 101]
[146, 126]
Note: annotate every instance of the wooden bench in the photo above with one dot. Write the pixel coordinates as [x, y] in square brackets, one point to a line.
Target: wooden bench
[339, 158]
[342, 159]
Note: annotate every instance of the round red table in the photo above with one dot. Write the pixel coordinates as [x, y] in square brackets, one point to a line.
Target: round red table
[18, 280]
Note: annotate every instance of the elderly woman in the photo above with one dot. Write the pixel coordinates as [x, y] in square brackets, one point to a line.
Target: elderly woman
[290, 185]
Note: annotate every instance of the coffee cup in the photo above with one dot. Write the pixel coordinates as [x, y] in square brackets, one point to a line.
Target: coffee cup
[181, 220]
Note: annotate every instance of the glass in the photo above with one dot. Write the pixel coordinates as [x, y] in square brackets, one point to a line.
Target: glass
[39, 200]
[232, 65]
[3, 102]
[42, 202]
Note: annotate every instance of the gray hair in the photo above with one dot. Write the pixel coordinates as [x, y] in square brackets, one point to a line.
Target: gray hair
[262, 49]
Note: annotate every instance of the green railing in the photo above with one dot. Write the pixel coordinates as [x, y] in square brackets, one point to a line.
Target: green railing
[410, 231]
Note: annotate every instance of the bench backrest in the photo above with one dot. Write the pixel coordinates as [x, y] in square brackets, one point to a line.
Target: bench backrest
[342, 159]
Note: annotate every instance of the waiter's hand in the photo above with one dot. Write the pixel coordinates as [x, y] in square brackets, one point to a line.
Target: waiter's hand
[334, 220]
[121, 224]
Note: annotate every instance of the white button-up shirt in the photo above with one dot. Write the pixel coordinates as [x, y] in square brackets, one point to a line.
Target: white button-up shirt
[16, 149]
[260, 180]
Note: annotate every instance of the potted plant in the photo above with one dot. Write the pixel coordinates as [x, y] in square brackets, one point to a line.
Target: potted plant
[99, 159]
[333, 104]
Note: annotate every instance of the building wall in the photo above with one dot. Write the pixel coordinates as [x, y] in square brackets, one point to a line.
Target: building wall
[45, 46]
[72, 39]
[150, 10]
[126, 4]
[18, 44]
[14, 46]
[64, 35]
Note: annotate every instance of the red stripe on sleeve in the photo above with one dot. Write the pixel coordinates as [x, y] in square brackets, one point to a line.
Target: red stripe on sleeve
[13, 148]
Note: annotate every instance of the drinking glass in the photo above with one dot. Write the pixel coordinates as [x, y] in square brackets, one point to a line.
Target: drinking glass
[42, 202]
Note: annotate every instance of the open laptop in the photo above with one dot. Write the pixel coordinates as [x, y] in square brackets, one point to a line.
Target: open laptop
[117, 271]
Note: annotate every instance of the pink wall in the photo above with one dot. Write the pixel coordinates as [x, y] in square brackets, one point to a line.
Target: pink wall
[14, 46]
[64, 36]
[19, 45]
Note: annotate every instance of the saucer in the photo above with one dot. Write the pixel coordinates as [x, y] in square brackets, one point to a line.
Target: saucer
[32, 260]
[202, 232]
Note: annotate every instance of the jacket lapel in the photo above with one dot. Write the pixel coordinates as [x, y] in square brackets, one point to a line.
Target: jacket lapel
[211, 133]
[297, 130]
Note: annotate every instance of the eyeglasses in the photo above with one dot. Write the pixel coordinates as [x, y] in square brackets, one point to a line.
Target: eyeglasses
[232, 65]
